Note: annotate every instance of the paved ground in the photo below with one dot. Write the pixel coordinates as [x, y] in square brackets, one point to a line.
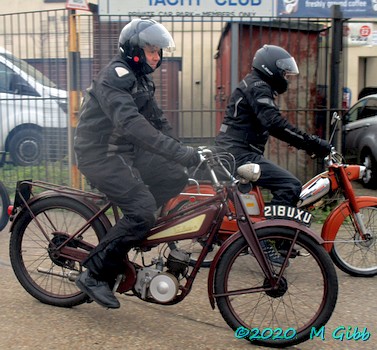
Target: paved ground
[27, 324]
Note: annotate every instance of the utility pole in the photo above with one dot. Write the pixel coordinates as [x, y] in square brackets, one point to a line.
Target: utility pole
[74, 94]
[336, 49]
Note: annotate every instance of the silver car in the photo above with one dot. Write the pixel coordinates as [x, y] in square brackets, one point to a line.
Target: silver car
[360, 137]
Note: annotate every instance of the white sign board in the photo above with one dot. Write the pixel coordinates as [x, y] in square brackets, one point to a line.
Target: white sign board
[360, 34]
[183, 8]
[77, 5]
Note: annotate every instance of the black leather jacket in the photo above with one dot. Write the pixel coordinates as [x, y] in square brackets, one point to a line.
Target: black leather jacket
[119, 114]
[252, 116]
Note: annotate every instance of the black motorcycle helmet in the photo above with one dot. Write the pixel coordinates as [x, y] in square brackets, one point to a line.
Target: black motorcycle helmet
[139, 33]
[274, 63]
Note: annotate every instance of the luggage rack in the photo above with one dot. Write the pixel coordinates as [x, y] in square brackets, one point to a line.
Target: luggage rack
[59, 188]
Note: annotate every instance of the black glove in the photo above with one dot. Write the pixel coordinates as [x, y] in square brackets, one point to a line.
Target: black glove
[317, 147]
[188, 156]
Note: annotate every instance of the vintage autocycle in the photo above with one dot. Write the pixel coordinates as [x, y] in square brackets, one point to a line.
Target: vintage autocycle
[349, 231]
[4, 204]
[53, 231]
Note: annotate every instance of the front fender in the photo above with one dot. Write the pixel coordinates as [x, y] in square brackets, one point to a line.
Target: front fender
[258, 225]
[336, 218]
[51, 194]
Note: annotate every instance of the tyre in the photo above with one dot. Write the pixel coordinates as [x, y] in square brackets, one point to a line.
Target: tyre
[4, 203]
[282, 317]
[26, 147]
[44, 274]
[350, 253]
[370, 178]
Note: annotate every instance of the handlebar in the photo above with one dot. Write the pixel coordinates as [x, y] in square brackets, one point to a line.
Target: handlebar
[249, 172]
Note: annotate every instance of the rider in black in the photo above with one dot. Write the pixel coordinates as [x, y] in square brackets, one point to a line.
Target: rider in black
[125, 148]
[252, 116]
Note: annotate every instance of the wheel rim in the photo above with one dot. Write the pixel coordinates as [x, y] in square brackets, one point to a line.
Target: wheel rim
[29, 150]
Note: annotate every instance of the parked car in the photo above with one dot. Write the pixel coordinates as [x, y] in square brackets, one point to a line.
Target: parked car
[360, 137]
[33, 114]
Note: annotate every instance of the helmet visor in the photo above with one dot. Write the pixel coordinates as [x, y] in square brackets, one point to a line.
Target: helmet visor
[288, 65]
[157, 35]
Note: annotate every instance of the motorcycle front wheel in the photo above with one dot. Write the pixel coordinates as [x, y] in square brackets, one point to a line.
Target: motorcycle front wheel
[281, 317]
[353, 254]
[43, 273]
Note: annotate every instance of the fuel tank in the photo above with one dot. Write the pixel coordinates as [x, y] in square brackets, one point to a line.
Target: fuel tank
[314, 190]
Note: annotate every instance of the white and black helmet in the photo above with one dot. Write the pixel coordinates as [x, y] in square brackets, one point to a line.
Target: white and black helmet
[139, 33]
[274, 63]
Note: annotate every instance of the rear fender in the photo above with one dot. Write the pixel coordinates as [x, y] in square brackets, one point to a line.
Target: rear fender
[258, 225]
[52, 194]
[333, 222]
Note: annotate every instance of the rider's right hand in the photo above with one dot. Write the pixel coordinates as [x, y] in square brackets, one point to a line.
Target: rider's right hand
[188, 156]
[317, 147]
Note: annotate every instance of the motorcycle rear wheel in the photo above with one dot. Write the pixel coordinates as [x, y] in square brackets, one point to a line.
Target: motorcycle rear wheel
[42, 273]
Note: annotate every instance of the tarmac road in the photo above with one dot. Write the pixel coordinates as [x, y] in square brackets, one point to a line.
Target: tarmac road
[25, 323]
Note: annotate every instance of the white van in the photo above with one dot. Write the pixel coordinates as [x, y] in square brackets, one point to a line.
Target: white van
[33, 114]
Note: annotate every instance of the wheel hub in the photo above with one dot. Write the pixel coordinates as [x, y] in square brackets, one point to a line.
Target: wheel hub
[54, 253]
[29, 149]
[367, 242]
[279, 289]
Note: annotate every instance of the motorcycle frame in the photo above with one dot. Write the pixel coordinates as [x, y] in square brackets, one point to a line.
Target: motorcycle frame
[209, 213]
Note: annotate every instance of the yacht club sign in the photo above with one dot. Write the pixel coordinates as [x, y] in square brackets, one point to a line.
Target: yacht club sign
[184, 8]
[238, 8]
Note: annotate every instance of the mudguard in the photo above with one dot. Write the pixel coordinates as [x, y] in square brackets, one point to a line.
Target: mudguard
[51, 194]
[333, 222]
[258, 225]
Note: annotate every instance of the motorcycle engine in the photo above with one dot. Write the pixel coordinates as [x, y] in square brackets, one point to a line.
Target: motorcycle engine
[178, 261]
[160, 285]
[152, 283]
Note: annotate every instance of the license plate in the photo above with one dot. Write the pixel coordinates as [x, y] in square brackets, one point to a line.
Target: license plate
[288, 213]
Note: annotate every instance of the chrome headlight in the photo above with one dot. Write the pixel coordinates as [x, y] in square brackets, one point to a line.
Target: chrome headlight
[363, 170]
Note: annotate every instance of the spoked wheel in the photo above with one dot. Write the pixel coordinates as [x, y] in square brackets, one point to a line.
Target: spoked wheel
[4, 204]
[36, 260]
[353, 254]
[305, 296]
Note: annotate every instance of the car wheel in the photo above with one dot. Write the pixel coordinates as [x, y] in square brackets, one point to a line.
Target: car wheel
[26, 147]
[370, 178]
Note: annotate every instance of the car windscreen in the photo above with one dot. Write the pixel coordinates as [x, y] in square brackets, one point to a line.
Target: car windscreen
[29, 69]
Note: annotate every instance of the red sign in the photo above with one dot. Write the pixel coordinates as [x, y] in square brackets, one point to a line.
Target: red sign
[365, 31]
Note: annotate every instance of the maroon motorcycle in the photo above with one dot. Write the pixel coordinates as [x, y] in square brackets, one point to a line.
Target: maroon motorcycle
[276, 306]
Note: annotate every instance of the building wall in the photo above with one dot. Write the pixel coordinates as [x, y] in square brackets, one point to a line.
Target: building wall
[17, 6]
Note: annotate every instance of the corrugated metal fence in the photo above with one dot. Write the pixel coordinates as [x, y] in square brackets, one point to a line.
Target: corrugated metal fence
[193, 83]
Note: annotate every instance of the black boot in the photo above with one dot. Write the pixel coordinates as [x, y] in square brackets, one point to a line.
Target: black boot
[98, 290]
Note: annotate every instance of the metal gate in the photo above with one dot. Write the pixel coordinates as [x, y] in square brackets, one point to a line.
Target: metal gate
[193, 84]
